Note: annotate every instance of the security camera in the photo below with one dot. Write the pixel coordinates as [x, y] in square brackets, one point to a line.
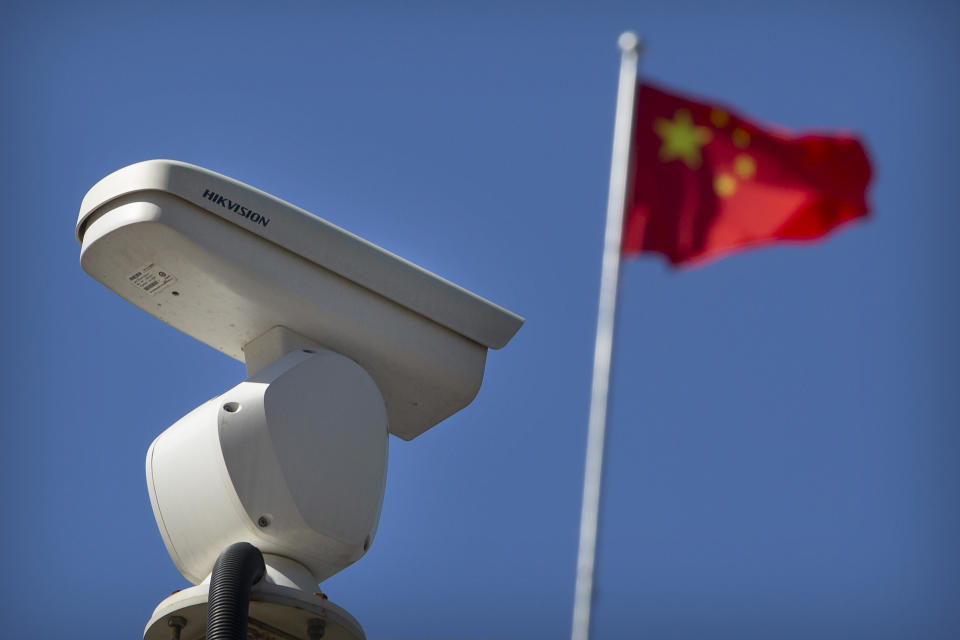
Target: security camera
[344, 343]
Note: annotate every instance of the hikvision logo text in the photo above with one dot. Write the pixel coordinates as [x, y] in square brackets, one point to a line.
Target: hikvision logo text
[236, 207]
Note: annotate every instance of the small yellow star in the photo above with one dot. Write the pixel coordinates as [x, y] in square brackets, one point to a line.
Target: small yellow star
[719, 118]
[724, 185]
[741, 139]
[681, 138]
[744, 166]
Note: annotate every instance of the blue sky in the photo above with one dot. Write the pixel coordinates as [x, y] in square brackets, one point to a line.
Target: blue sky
[783, 447]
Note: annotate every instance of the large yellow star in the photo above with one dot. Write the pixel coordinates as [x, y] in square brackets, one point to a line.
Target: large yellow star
[681, 138]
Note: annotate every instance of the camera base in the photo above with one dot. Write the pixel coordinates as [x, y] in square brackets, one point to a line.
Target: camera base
[276, 613]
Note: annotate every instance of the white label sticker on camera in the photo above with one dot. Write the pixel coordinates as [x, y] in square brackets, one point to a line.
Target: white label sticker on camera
[152, 279]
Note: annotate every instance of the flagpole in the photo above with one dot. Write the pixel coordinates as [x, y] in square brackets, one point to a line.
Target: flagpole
[603, 347]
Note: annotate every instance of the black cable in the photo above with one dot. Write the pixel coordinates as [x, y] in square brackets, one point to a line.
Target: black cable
[238, 568]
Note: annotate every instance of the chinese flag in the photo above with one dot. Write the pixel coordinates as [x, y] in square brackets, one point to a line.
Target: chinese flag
[707, 182]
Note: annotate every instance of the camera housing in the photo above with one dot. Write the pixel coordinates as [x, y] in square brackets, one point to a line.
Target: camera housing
[226, 263]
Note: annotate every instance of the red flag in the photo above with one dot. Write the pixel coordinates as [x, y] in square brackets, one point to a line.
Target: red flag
[707, 182]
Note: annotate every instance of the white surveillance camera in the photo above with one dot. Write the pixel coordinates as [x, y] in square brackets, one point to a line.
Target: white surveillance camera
[343, 343]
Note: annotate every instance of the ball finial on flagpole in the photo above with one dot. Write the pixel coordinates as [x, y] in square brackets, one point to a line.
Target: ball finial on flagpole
[628, 41]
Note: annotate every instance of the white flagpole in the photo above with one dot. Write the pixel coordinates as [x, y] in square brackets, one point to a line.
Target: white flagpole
[616, 203]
